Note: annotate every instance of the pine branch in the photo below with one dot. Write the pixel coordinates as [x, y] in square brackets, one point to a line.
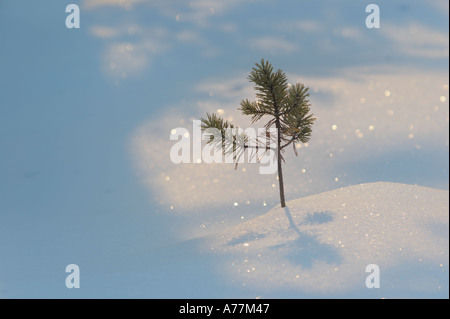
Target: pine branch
[225, 138]
[255, 109]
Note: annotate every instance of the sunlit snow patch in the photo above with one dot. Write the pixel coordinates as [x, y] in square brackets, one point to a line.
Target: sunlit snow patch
[320, 245]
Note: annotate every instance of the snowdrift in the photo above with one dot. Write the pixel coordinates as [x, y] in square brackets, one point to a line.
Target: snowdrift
[320, 245]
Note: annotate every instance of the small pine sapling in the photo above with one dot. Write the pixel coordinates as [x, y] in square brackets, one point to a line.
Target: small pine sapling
[287, 108]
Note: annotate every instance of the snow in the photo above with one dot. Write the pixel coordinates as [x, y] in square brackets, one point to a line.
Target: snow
[320, 245]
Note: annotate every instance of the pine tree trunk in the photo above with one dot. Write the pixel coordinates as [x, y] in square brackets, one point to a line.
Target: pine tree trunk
[280, 170]
[280, 181]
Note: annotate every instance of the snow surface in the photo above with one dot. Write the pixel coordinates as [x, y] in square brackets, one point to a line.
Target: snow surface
[320, 245]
